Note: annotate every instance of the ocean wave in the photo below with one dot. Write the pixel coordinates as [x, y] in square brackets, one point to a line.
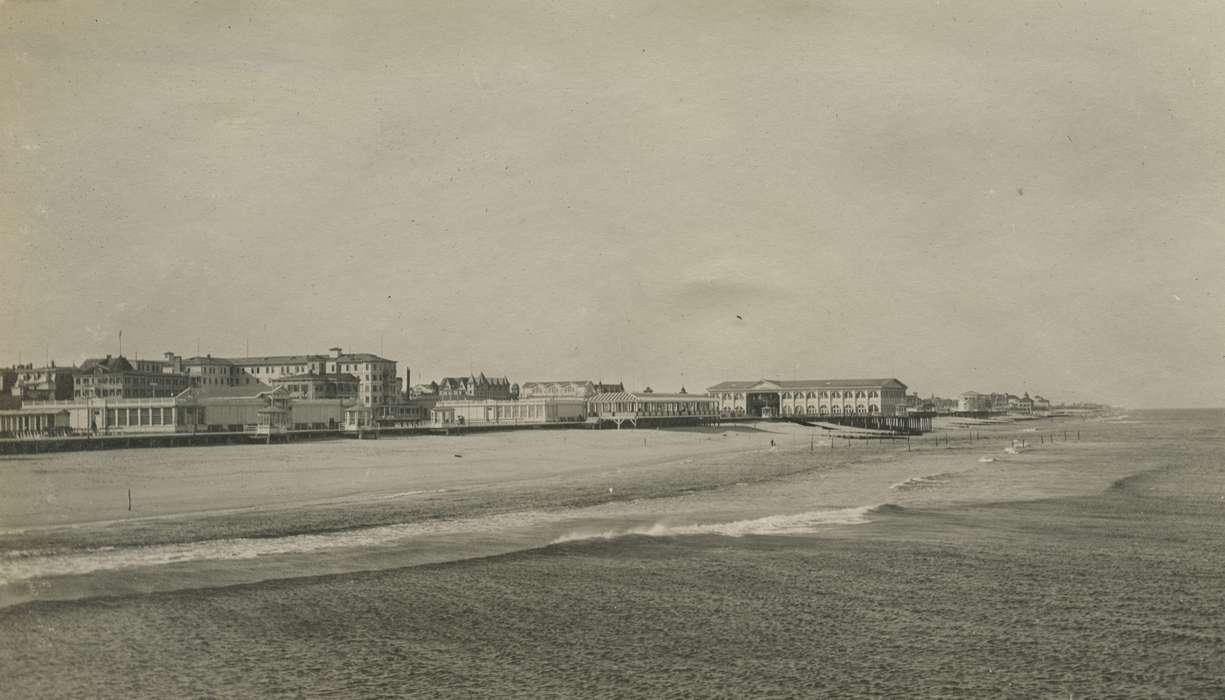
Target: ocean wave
[791, 524]
[917, 482]
[21, 565]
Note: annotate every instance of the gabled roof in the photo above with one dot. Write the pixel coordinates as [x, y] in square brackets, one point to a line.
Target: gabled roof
[577, 383]
[107, 364]
[804, 384]
[222, 391]
[206, 360]
[624, 396]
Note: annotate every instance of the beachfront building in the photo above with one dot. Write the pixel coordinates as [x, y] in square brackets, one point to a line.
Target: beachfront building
[770, 398]
[45, 422]
[652, 408]
[409, 413]
[116, 378]
[508, 412]
[974, 402]
[1041, 404]
[198, 409]
[476, 387]
[145, 414]
[1020, 404]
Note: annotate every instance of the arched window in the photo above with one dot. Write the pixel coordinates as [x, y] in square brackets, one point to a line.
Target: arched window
[786, 394]
[835, 395]
[837, 410]
[812, 410]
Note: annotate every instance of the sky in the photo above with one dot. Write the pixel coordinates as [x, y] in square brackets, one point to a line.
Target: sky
[964, 195]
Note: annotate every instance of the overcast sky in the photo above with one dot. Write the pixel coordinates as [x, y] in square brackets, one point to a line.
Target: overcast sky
[964, 195]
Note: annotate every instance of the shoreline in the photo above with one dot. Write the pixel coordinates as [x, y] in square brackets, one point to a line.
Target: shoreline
[720, 492]
[746, 453]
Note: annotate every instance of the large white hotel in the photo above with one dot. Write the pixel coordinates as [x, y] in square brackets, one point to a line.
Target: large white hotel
[810, 397]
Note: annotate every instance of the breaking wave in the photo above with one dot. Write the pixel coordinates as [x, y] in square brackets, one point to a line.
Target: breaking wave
[917, 482]
[794, 524]
[23, 565]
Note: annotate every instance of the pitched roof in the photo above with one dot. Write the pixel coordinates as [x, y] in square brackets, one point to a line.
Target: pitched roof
[579, 382]
[311, 376]
[222, 391]
[107, 364]
[772, 384]
[207, 360]
[652, 397]
[301, 359]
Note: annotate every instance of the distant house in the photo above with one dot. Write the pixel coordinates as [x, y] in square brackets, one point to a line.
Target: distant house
[29, 383]
[581, 389]
[974, 402]
[475, 387]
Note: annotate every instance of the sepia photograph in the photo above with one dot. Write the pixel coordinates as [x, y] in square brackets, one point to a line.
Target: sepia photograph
[640, 349]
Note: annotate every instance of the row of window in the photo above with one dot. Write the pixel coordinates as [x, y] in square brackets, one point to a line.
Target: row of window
[139, 416]
[823, 411]
[815, 394]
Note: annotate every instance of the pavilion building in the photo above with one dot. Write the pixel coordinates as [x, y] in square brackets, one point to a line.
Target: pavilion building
[771, 398]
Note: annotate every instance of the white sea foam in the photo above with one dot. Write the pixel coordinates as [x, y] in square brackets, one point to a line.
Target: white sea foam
[793, 524]
[23, 565]
[917, 482]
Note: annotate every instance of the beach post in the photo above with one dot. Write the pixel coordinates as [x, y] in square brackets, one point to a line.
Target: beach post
[129, 500]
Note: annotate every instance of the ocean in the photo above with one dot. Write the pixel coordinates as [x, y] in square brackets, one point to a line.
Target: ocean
[703, 563]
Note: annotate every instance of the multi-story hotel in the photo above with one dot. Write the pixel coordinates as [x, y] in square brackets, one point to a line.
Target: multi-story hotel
[210, 371]
[376, 376]
[116, 378]
[811, 397]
